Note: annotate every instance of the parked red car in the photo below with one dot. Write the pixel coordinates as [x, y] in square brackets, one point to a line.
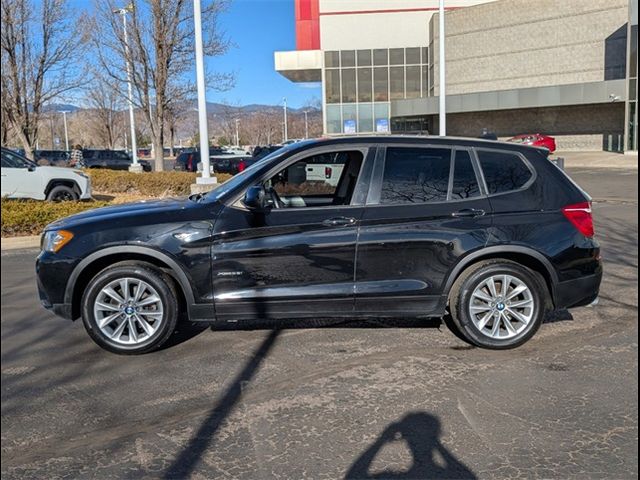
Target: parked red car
[536, 139]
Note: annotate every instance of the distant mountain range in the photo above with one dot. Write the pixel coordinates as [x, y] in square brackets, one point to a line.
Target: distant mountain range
[255, 118]
[213, 108]
[60, 107]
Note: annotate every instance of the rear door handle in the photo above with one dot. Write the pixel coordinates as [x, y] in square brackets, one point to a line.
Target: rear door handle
[339, 221]
[468, 212]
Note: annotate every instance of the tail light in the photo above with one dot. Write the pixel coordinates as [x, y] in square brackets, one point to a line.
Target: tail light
[581, 217]
[190, 162]
[327, 172]
[241, 166]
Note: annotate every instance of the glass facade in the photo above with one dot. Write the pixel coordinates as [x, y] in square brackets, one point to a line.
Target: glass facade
[359, 84]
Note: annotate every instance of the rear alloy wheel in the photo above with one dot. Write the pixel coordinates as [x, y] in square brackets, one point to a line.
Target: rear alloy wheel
[498, 304]
[501, 307]
[62, 193]
[130, 309]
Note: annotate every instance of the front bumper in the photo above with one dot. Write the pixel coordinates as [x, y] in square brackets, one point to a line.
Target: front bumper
[52, 273]
[63, 310]
[578, 292]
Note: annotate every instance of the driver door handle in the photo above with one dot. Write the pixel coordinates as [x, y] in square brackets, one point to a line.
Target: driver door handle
[468, 212]
[339, 221]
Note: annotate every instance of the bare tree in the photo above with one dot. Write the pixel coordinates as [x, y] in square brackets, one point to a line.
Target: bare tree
[160, 54]
[39, 46]
[262, 127]
[105, 103]
[5, 127]
[176, 112]
[226, 121]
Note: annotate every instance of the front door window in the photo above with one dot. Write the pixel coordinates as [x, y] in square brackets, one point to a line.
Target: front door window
[321, 180]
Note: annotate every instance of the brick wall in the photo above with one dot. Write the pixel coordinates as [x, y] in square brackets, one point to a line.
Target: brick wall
[580, 127]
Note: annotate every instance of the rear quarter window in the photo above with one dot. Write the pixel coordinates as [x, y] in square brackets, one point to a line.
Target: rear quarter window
[503, 171]
[465, 184]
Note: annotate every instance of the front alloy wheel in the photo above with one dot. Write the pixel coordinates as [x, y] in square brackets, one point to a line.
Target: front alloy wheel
[130, 308]
[129, 311]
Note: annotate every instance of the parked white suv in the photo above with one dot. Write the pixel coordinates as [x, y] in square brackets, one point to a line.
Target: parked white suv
[22, 178]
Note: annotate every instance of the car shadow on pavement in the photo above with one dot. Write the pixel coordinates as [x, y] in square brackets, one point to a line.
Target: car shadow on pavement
[419, 432]
[185, 330]
[554, 316]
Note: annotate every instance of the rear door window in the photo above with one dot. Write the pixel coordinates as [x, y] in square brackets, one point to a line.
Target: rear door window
[415, 175]
[503, 171]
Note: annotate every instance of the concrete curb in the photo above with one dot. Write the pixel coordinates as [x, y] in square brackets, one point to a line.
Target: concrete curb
[620, 165]
[17, 243]
[598, 160]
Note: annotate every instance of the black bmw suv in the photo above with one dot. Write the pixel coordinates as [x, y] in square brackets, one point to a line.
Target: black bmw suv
[492, 234]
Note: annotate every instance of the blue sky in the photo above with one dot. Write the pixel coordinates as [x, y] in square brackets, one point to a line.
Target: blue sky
[256, 29]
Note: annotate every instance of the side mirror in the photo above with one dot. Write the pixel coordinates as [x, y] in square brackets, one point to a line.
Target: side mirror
[31, 168]
[255, 198]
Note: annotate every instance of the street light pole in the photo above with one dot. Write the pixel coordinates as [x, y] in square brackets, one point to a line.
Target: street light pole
[135, 167]
[205, 178]
[52, 134]
[286, 136]
[306, 125]
[237, 134]
[66, 132]
[443, 91]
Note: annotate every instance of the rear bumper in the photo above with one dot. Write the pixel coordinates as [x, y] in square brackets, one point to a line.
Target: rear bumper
[578, 292]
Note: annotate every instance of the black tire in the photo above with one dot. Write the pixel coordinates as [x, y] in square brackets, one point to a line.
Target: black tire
[165, 289]
[62, 193]
[461, 296]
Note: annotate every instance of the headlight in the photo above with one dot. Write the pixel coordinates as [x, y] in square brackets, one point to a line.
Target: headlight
[81, 173]
[54, 240]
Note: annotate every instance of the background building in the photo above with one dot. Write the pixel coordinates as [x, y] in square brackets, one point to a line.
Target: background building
[561, 67]
[631, 119]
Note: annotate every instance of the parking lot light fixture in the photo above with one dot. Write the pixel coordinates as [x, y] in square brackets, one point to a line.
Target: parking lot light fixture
[443, 92]
[135, 167]
[286, 136]
[205, 180]
[66, 132]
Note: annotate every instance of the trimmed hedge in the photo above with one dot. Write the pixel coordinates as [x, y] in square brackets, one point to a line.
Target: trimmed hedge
[153, 184]
[29, 217]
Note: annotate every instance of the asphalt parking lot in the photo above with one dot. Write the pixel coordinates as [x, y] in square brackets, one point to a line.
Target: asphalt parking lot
[379, 399]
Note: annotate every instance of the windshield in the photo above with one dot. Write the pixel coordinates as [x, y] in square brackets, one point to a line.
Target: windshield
[13, 160]
[240, 178]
